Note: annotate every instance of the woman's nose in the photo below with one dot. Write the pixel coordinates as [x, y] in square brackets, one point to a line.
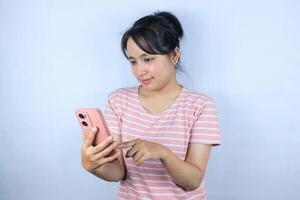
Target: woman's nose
[141, 70]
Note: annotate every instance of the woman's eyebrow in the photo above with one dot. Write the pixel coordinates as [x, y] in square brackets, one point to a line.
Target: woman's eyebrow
[143, 55]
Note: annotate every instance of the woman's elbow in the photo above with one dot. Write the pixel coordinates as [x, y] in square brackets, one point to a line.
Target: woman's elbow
[193, 186]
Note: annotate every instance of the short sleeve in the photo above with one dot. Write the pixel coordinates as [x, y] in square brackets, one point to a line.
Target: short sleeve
[205, 128]
[112, 115]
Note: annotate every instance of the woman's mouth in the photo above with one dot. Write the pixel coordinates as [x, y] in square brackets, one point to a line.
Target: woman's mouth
[146, 81]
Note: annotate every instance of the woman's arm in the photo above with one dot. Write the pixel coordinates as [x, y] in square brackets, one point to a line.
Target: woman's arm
[187, 173]
[113, 172]
[99, 159]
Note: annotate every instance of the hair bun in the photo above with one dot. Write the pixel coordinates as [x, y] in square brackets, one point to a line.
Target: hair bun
[173, 20]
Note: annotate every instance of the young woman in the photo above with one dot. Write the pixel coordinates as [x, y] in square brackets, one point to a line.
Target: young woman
[167, 131]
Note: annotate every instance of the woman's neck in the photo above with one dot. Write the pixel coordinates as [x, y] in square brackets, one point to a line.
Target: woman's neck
[167, 90]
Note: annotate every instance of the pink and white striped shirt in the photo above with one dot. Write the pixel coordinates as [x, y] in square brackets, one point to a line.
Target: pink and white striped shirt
[192, 118]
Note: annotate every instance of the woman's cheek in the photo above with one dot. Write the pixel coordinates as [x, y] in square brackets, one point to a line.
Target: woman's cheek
[134, 71]
[153, 69]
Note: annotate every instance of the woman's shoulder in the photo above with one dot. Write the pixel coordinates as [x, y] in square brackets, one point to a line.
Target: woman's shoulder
[123, 92]
[197, 97]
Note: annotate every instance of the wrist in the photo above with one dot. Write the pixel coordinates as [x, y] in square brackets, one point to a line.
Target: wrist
[165, 153]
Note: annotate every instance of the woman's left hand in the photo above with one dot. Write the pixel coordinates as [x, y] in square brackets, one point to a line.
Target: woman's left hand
[141, 150]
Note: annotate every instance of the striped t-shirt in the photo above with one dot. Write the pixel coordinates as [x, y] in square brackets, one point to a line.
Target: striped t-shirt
[192, 118]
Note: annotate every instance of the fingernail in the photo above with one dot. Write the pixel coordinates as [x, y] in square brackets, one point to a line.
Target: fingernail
[94, 129]
[109, 139]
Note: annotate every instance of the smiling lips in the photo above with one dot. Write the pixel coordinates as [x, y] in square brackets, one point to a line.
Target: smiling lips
[146, 81]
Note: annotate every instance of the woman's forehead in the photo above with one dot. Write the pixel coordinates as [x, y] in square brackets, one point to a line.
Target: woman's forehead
[133, 50]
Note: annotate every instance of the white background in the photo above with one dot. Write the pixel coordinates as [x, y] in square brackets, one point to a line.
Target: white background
[56, 56]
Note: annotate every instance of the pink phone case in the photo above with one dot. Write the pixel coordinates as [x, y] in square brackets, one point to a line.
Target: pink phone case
[90, 117]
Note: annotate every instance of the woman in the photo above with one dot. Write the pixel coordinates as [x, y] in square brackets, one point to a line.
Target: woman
[167, 130]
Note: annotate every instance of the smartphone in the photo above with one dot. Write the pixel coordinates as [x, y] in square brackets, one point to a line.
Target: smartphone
[91, 117]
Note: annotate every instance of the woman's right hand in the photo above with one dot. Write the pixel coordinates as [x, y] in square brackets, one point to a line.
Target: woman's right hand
[93, 157]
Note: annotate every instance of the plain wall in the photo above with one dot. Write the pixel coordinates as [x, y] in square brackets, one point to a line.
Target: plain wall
[56, 56]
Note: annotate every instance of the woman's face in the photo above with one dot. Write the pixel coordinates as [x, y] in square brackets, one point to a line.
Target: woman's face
[153, 71]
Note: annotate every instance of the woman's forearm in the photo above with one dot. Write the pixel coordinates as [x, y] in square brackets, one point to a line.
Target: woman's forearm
[184, 174]
[114, 171]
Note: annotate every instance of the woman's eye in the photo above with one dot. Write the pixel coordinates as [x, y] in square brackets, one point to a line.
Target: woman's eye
[132, 62]
[147, 60]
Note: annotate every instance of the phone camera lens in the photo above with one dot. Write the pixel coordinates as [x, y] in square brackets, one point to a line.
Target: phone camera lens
[84, 123]
[81, 116]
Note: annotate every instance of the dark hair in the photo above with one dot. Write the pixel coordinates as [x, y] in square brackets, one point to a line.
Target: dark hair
[159, 33]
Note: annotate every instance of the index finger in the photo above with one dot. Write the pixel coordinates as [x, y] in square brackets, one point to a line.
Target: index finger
[127, 144]
[89, 137]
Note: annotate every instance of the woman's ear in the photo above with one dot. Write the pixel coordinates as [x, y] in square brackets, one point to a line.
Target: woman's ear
[175, 56]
